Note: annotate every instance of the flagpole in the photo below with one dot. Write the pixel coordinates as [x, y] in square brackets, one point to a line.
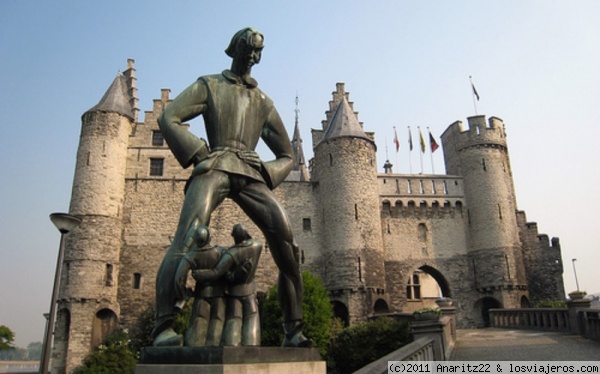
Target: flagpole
[410, 148]
[421, 145]
[397, 145]
[431, 152]
[473, 94]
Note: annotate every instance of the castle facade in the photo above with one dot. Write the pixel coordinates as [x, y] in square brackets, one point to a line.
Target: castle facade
[382, 242]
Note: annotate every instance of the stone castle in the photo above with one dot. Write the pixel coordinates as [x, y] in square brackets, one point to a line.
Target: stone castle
[381, 242]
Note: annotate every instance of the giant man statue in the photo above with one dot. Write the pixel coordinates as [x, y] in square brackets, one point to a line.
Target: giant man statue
[236, 114]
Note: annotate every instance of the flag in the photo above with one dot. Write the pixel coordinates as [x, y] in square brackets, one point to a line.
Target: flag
[422, 141]
[475, 91]
[396, 141]
[410, 145]
[434, 145]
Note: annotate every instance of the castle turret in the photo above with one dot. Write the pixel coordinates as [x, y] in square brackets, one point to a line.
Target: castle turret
[480, 155]
[345, 170]
[88, 307]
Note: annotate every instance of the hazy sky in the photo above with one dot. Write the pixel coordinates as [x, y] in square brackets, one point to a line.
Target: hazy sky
[536, 65]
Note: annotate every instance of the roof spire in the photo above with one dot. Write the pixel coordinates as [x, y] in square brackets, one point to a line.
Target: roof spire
[300, 171]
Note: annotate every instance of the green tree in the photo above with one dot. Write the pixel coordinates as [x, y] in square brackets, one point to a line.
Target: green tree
[115, 356]
[363, 343]
[34, 351]
[7, 337]
[318, 314]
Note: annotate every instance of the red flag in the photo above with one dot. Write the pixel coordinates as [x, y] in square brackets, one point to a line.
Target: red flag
[396, 141]
[434, 145]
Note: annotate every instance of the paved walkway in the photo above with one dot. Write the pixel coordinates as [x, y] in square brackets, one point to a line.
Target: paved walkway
[522, 345]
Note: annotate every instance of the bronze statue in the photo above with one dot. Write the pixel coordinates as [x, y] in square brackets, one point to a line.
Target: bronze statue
[236, 114]
[238, 265]
[208, 310]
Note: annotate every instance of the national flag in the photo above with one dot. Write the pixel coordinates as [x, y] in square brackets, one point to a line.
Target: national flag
[422, 141]
[475, 91]
[434, 145]
[410, 145]
[396, 141]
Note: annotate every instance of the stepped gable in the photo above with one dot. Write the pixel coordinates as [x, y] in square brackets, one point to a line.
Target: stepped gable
[344, 123]
[116, 99]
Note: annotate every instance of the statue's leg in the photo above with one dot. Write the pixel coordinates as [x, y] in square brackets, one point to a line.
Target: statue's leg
[232, 333]
[217, 320]
[205, 192]
[196, 333]
[251, 326]
[261, 205]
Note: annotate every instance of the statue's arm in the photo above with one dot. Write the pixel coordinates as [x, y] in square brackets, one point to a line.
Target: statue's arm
[276, 138]
[207, 275]
[187, 105]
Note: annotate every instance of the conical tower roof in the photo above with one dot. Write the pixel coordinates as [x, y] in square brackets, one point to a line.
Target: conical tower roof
[116, 99]
[345, 123]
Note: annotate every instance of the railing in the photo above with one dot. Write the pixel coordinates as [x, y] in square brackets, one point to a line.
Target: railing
[419, 350]
[547, 319]
[591, 323]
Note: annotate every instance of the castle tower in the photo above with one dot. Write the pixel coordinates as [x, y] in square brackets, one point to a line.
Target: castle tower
[345, 170]
[88, 309]
[480, 155]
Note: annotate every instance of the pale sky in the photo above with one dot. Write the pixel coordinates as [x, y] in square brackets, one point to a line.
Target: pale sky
[536, 65]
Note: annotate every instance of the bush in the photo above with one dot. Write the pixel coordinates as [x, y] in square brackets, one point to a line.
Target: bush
[550, 304]
[115, 356]
[363, 343]
[318, 314]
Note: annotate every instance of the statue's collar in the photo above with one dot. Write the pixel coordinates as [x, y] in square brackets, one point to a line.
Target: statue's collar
[234, 78]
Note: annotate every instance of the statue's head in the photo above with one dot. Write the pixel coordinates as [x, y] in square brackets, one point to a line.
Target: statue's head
[202, 236]
[240, 233]
[246, 46]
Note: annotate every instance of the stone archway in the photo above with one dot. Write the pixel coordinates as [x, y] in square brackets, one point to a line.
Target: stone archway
[381, 307]
[484, 305]
[439, 278]
[341, 311]
[105, 323]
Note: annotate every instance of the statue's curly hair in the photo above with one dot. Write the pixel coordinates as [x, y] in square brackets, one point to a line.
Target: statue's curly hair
[246, 34]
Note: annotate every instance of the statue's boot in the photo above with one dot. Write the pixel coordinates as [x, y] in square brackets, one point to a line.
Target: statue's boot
[168, 338]
[294, 336]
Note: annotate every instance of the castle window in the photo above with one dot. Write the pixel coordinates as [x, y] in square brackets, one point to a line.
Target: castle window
[302, 258]
[413, 288]
[157, 138]
[137, 281]
[356, 211]
[433, 187]
[156, 166]
[499, 212]
[306, 224]
[445, 188]
[483, 164]
[109, 275]
[397, 186]
[409, 186]
[421, 188]
[330, 160]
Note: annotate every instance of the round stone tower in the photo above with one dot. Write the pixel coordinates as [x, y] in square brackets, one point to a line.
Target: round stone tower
[345, 169]
[88, 309]
[480, 155]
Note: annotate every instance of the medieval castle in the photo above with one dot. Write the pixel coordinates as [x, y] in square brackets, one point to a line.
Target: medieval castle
[381, 242]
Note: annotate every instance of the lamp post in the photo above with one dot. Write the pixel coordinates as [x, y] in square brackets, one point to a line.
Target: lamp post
[575, 272]
[64, 223]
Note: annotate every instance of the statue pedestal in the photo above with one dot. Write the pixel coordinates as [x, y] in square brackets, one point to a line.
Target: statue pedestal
[212, 360]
